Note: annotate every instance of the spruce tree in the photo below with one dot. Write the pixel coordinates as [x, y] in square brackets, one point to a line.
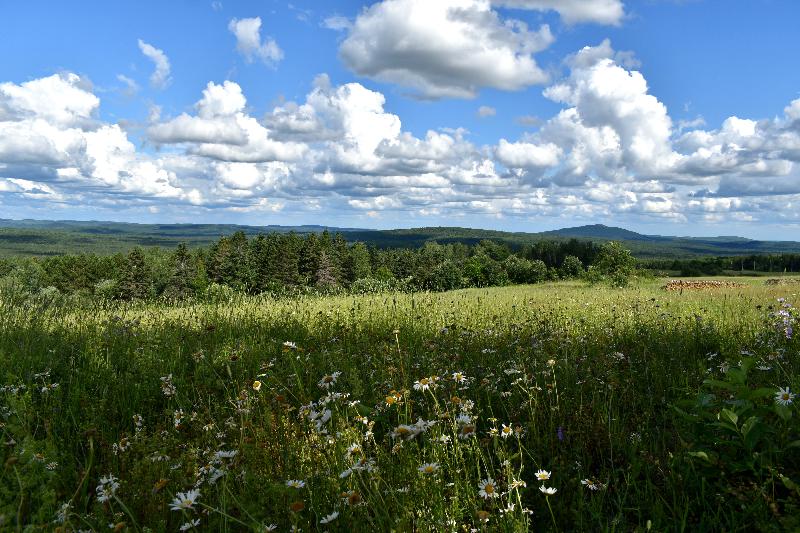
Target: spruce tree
[181, 283]
[136, 282]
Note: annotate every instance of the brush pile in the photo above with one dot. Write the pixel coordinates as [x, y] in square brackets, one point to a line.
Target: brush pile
[783, 281]
[697, 285]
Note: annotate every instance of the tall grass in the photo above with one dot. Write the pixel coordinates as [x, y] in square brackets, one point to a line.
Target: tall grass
[605, 390]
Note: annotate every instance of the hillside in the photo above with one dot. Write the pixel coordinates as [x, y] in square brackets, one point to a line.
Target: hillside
[42, 238]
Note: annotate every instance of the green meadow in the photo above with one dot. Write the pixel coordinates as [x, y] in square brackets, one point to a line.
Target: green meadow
[554, 407]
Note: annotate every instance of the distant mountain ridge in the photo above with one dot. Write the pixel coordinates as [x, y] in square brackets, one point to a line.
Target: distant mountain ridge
[45, 237]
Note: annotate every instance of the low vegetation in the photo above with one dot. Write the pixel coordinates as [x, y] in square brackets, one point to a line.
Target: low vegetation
[558, 406]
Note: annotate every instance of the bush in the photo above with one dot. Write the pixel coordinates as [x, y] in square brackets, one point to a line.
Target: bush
[445, 276]
[571, 268]
[106, 289]
[615, 264]
[217, 293]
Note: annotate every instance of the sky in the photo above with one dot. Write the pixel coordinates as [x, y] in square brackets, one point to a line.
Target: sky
[672, 117]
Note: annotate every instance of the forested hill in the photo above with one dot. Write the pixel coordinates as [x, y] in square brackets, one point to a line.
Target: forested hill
[43, 238]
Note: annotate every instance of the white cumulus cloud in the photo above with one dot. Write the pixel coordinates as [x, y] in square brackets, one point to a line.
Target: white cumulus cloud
[574, 11]
[160, 78]
[249, 43]
[446, 48]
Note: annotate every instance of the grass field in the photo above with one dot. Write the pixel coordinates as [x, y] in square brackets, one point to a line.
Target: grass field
[549, 407]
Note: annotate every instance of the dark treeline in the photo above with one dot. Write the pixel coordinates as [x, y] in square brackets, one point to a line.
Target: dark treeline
[712, 266]
[278, 263]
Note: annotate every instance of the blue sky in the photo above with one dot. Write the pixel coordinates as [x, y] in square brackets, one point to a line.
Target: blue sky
[509, 114]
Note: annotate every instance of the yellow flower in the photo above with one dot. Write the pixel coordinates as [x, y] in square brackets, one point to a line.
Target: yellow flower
[256, 385]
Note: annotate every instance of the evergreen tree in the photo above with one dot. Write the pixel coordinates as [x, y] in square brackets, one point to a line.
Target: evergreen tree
[358, 264]
[136, 282]
[184, 272]
[308, 258]
[326, 273]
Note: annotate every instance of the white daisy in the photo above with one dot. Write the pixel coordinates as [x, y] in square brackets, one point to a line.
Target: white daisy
[328, 380]
[330, 518]
[428, 468]
[184, 500]
[548, 490]
[488, 489]
[590, 484]
[542, 475]
[784, 396]
[295, 483]
[423, 384]
[190, 524]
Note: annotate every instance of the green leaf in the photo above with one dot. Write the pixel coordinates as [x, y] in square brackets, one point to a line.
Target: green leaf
[729, 416]
[701, 455]
[784, 412]
[760, 393]
[717, 384]
[789, 484]
[737, 376]
[752, 432]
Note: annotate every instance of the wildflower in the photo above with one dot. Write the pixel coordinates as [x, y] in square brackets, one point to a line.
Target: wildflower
[466, 427]
[444, 439]
[551, 362]
[549, 491]
[508, 509]
[353, 449]
[107, 488]
[423, 384]
[405, 432]
[138, 422]
[297, 506]
[329, 380]
[63, 513]
[488, 489]
[121, 447]
[160, 484]
[483, 516]
[351, 498]
[167, 387]
[784, 396]
[295, 483]
[393, 398]
[459, 377]
[428, 468]
[225, 454]
[506, 431]
[330, 518]
[289, 345]
[51, 466]
[257, 385]
[591, 485]
[190, 524]
[178, 418]
[184, 500]
[516, 484]
[542, 475]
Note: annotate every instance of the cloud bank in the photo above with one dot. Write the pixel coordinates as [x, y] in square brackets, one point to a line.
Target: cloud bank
[612, 150]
